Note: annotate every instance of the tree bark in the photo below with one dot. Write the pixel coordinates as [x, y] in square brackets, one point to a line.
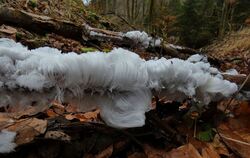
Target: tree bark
[38, 23]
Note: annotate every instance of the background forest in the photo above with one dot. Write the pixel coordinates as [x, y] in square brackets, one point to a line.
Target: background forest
[193, 23]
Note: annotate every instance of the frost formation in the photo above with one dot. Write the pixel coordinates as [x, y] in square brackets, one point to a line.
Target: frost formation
[7, 144]
[119, 82]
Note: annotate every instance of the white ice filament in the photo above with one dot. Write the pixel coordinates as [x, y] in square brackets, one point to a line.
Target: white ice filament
[118, 82]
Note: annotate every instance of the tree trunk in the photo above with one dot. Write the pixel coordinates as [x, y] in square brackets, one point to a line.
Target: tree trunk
[133, 11]
[114, 6]
[128, 10]
[151, 14]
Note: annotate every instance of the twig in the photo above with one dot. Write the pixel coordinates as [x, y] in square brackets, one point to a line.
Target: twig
[195, 127]
[223, 141]
[235, 140]
[228, 105]
[242, 85]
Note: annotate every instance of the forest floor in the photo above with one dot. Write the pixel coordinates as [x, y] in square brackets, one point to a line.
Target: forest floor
[172, 129]
[233, 50]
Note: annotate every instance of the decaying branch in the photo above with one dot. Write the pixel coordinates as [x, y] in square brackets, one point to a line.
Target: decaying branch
[83, 33]
[39, 23]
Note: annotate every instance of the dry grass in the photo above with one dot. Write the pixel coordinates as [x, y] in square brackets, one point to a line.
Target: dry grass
[234, 49]
[235, 41]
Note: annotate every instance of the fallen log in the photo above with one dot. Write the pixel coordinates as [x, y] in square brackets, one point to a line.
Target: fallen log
[84, 33]
[38, 23]
[44, 24]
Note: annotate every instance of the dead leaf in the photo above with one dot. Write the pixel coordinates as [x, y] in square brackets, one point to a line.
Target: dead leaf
[71, 108]
[241, 119]
[84, 117]
[244, 133]
[27, 129]
[209, 152]
[57, 108]
[137, 155]
[152, 152]
[57, 135]
[70, 117]
[91, 115]
[220, 148]
[184, 106]
[88, 156]
[28, 111]
[236, 131]
[57, 104]
[194, 115]
[51, 113]
[5, 121]
[235, 141]
[186, 151]
[206, 149]
[8, 30]
[105, 153]
[243, 108]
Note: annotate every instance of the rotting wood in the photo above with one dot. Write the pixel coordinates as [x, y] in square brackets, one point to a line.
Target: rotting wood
[38, 23]
[44, 24]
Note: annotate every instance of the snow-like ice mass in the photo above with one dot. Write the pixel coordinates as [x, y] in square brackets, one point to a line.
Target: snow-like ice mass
[86, 2]
[7, 144]
[119, 82]
[142, 38]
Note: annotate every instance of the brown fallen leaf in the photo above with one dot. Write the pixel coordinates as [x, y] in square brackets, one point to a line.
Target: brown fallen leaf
[235, 141]
[70, 116]
[243, 108]
[209, 152]
[8, 30]
[51, 113]
[184, 106]
[186, 151]
[27, 129]
[91, 115]
[152, 152]
[84, 117]
[218, 145]
[57, 104]
[194, 115]
[244, 133]
[57, 135]
[105, 153]
[235, 132]
[5, 120]
[137, 155]
[28, 111]
[71, 108]
[224, 104]
[57, 107]
[88, 156]
[206, 149]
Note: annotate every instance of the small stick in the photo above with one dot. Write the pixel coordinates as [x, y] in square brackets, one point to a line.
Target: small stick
[242, 85]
